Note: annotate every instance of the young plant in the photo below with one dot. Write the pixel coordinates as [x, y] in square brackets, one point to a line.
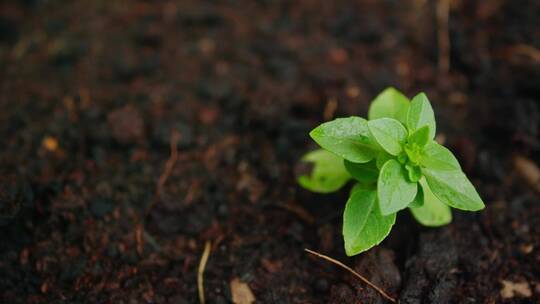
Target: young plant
[395, 163]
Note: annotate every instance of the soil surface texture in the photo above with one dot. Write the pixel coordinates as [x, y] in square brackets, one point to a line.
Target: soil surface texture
[135, 133]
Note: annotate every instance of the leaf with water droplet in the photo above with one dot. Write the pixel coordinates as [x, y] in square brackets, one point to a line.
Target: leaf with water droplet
[453, 188]
[348, 138]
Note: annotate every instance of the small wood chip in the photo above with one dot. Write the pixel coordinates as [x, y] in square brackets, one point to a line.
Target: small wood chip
[330, 109]
[50, 143]
[526, 248]
[528, 170]
[440, 138]
[241, 293]
[513, 289]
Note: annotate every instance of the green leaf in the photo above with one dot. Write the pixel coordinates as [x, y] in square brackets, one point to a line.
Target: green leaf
[402, 158]
[328, 174]
[433, 213]
[421, 114]
[394, 190]
[346, 137]
[419, 137]
[391, 104]
[366, 172]
[389, 133]
[413, 173]
[382, 158]
[363, 225]
[453, 188]
[436, 156]
[418, 200]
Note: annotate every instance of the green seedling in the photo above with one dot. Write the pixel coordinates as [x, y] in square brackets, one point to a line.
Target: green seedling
[395, 164]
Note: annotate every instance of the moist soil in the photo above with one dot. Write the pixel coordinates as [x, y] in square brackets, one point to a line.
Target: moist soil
[133, 133]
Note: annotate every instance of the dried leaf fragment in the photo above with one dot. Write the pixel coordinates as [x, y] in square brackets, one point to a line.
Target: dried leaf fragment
[513, 289]
[241, 293]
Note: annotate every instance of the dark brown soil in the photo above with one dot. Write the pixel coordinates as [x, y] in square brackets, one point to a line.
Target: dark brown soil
[94, 93]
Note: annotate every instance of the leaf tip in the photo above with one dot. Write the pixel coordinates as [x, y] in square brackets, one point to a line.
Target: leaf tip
[481, 206]
[313, 133]
[390, 89]
[349, 251]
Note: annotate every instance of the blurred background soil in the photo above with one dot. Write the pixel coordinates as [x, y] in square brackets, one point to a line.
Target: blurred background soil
[132, 133]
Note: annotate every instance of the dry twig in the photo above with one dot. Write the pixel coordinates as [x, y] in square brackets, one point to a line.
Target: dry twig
[140, 233]
[139, 239]
[356, 274]
[200, 271]
[169, 165]
[528, 51]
